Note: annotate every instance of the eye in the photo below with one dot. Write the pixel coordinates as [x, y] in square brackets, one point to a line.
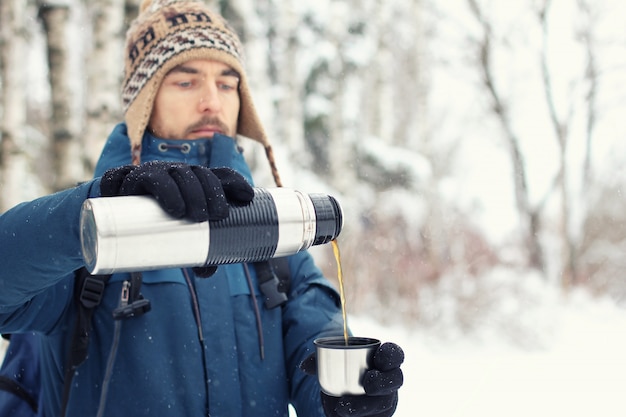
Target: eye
[229, 84]
[181, 80]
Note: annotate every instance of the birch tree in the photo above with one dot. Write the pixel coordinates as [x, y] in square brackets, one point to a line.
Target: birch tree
[249, 19]
[66, 149]
[345, 122]
[573, 205]
[283, 70]
[410, 85]
[529, 215]
[15, 168]
[380, 100]
[561, 120]
[104, 70]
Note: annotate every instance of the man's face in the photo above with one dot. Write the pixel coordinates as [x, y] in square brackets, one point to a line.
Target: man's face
[196, 100]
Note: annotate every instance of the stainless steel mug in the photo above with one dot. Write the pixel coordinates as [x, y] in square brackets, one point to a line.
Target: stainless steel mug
[340, 366]
[121, 234]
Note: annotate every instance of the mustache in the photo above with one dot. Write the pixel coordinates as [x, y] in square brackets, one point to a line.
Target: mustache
[208, 120]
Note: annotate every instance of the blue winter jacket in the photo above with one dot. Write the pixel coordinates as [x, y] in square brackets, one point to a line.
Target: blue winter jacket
[198, 351]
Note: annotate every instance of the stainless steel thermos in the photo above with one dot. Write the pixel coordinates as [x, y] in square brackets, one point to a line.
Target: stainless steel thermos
[122, 234]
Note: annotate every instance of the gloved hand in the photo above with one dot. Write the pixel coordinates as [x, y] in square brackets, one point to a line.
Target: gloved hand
[381, 384]
[184, 191]
[190, 191]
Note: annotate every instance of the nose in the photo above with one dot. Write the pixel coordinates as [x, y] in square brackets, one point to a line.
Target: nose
[210, 101]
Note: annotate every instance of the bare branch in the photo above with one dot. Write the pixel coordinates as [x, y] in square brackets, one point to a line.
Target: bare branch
[591, 76]
[530, 217]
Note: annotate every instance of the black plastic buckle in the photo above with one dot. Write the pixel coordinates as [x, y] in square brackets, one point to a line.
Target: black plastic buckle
[92, 292]
[274, 297]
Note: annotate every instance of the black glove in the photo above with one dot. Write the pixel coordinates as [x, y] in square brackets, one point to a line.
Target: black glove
[381, 384]
[190, 191]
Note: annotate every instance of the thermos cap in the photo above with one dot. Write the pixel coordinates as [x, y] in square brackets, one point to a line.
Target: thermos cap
[329, 218]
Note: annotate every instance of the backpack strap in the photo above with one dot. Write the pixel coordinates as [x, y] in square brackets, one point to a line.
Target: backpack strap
[273, 275]
[274, 280]
[15, 388]
[88, 293]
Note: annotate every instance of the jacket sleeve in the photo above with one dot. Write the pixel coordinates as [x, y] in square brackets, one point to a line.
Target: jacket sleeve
[39, 247]
[313, 310]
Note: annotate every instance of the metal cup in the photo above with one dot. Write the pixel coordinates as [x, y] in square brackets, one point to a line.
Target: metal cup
[340, 366]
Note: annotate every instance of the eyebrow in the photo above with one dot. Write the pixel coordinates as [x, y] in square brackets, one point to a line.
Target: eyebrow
[229, 72]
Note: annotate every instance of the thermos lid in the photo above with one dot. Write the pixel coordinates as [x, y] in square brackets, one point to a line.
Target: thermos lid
[329, 218]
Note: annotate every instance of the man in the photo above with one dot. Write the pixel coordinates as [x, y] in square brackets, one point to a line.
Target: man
[207, 346]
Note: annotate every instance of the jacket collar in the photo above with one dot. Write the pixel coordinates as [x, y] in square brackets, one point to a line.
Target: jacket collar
[219, 151]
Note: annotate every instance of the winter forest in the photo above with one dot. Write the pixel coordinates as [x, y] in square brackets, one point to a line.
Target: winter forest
[476, 146]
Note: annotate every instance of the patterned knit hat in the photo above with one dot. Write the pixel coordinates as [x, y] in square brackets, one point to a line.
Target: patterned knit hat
[168, 33]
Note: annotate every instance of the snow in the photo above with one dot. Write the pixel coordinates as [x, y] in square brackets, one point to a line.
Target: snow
[581, 370]
[577, 369]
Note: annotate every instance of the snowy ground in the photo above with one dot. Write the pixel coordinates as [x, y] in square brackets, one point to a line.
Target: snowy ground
[579, 369]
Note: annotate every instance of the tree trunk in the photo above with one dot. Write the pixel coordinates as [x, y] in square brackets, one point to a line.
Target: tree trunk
[250, 20]
[14, 159]
[103, 69]
[561, 128]
[381, 99]
[289, 108]
[592, 73]
[528, 217]
[411, 86]
[66, 151]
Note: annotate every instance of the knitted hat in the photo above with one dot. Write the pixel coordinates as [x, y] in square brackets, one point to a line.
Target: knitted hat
[168, 33]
